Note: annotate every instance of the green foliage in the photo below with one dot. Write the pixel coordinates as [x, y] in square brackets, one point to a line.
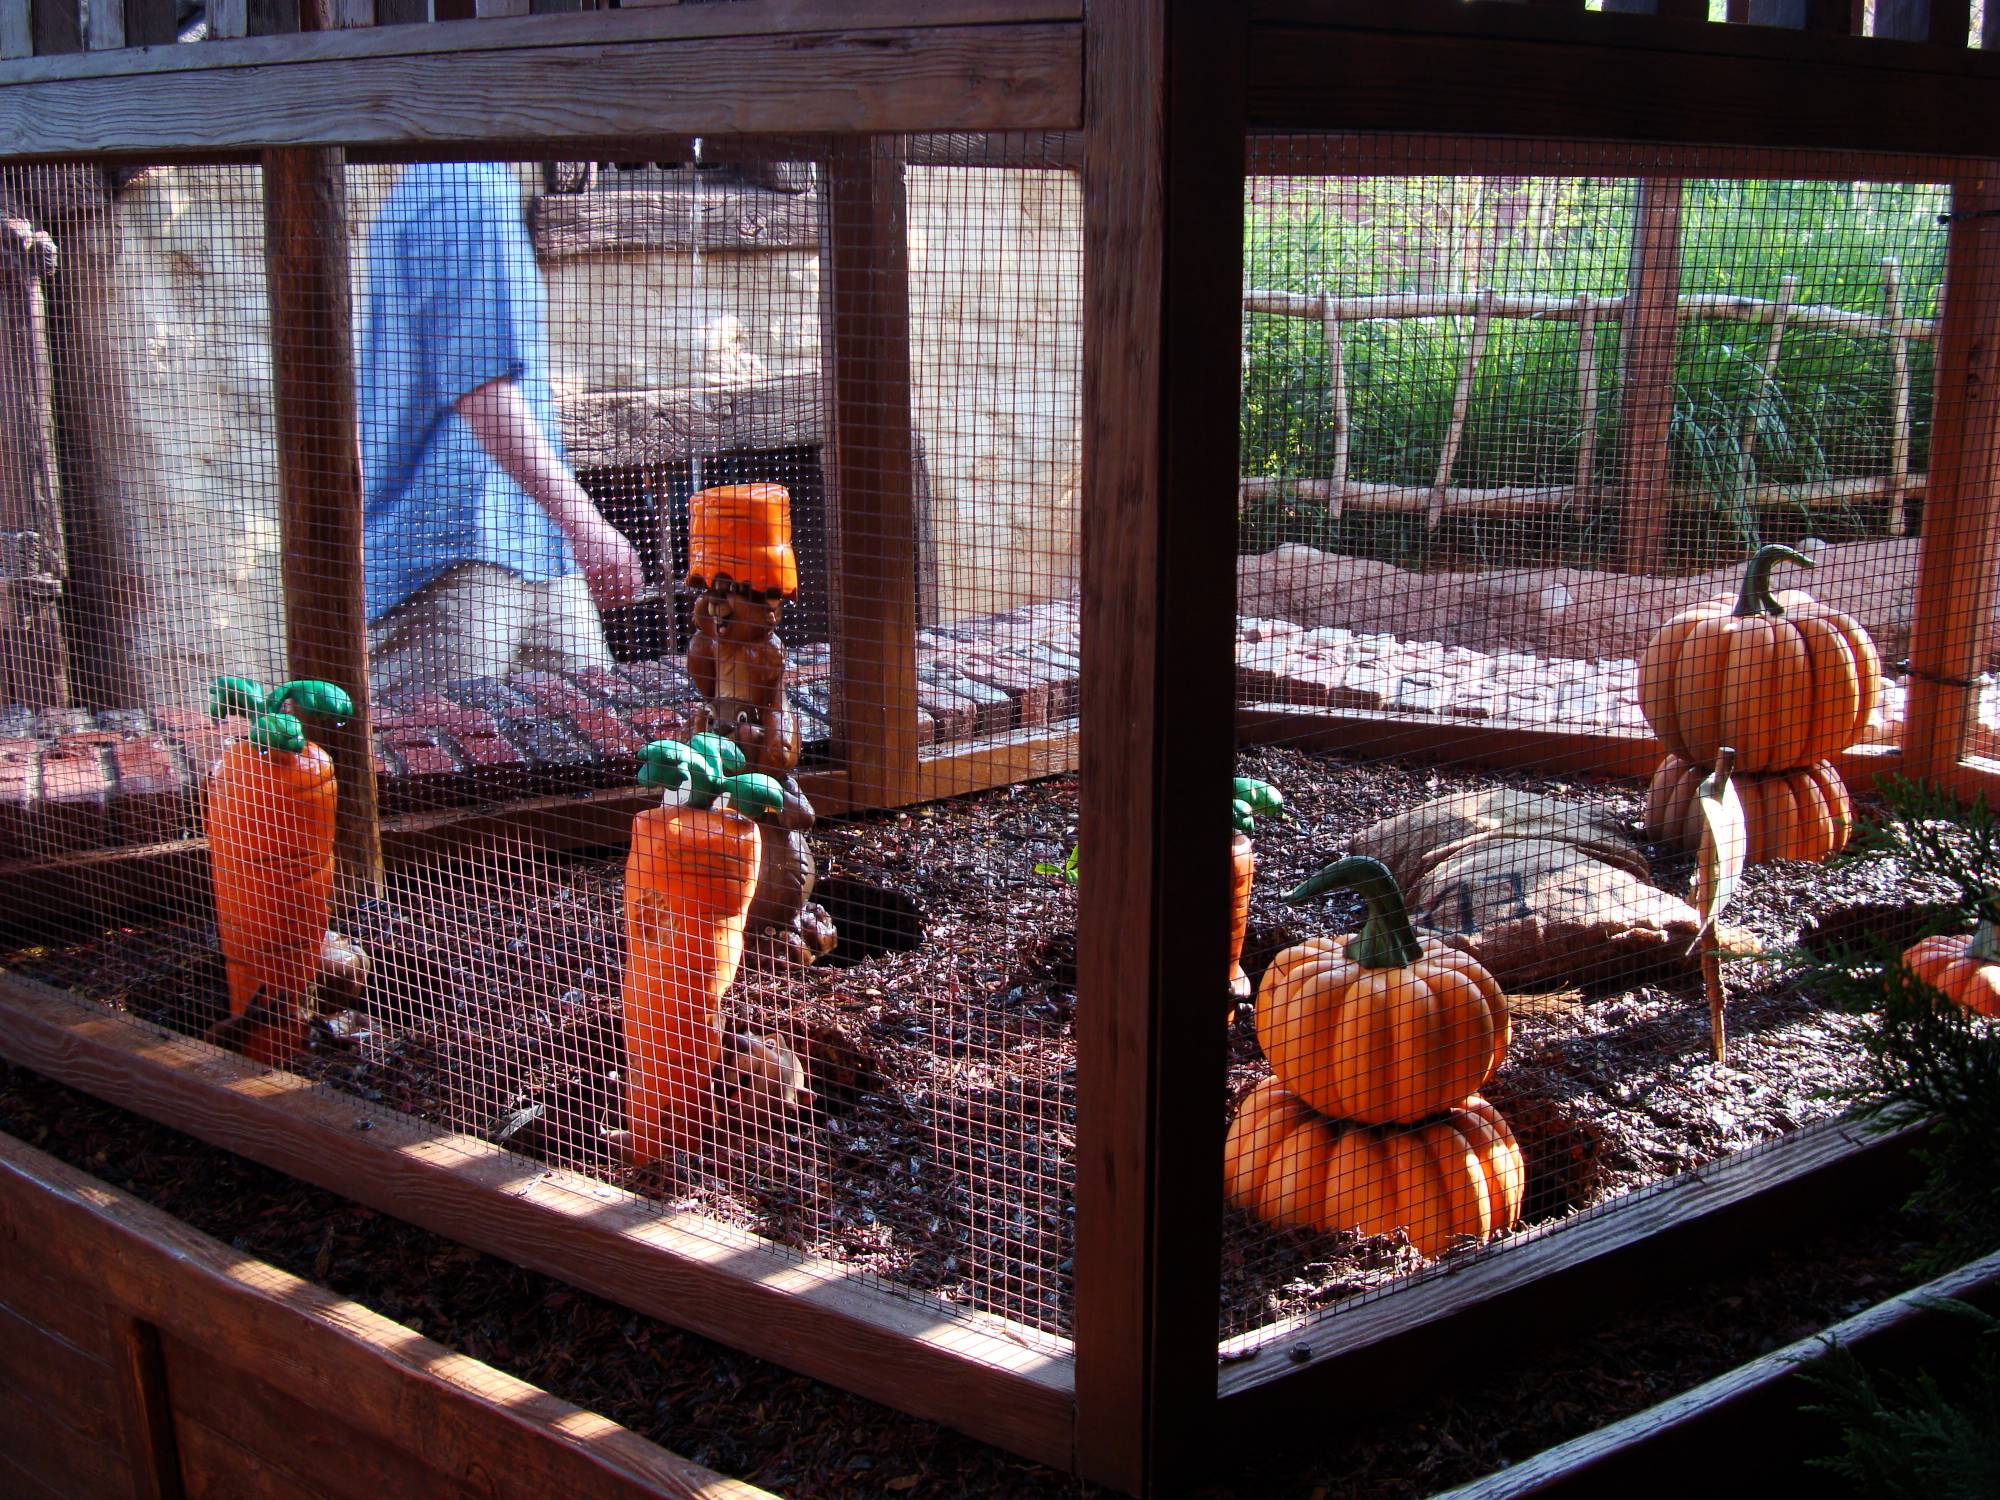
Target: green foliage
[1825, 412]
[1927, 1058]
[1912, 1438]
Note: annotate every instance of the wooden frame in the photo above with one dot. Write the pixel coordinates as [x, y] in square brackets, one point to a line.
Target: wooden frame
[1175, 100]
[151, 1360]
[979, 1374]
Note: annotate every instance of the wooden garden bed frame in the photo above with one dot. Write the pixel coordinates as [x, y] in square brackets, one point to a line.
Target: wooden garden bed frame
[144, 1359]
[1171, 102]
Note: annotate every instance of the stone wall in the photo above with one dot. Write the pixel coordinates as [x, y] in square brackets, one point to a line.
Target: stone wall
[996, 288]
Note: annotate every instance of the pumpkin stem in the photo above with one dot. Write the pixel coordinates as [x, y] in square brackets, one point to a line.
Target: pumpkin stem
[1984, 944]
[1755, 599]
[1386, 940]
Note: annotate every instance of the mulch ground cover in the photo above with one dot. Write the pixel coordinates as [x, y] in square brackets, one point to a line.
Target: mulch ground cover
[937, 1151]
[804, 1439]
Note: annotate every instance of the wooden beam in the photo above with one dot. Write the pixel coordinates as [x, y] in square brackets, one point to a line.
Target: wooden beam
[871, 476]
[319, 474]
[263, 1331]
[56, 26]
[1956, 565]
[144, 1411]
[625, 429]
[986, 1377]
[725, 217]
[1646, 393]
[1453, 69]
[1549, 1281]
[1403, 154]
[1758, 1413]
[1163, 193]
[548, 89]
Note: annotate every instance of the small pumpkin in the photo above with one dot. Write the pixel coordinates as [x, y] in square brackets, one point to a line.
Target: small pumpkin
[1804, 814]
[1966, 970]
[1787, 683]
[1449, 1180]
[1384, 1029]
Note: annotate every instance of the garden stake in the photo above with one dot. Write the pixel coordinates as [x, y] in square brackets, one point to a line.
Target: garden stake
[1719, 866]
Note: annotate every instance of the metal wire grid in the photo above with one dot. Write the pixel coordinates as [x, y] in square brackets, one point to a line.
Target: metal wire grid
[1496, 431]
[661, 332]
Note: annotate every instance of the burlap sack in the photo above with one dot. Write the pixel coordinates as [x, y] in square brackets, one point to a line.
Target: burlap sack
[1546, 894]
[1545, 914]
[1411, 844]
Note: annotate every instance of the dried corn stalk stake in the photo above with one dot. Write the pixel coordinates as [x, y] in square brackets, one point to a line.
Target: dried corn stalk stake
[1725, 841]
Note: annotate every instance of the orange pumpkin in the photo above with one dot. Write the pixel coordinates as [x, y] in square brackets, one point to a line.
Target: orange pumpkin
[1802, 814]
[1447, 1181]
[1385, 1029]
[1787, 683]
[1966, 970]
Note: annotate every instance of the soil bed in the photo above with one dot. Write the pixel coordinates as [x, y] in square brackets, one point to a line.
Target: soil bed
[938, 1151]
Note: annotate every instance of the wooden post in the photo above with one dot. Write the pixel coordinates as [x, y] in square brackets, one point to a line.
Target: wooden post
[319, 472]
[1336, 394]
[1767, 372]
[145, 1412]
[1955, 569]
[149, 23]
[1163, 213]
[104, 587]
[865, 328]
[34, 665]
[1587, 384]
[1646, 349]
[1899, 396]
[1461, 405]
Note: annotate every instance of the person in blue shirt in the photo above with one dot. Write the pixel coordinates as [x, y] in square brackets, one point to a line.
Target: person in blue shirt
[483, 555]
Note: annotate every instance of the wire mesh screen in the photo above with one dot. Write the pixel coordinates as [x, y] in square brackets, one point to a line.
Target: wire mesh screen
[693, 492]
[1552, 484]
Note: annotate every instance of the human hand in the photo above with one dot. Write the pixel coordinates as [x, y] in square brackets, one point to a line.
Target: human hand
[610, 563]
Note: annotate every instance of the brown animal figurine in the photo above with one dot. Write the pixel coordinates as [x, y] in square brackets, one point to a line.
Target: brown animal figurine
[740, 559]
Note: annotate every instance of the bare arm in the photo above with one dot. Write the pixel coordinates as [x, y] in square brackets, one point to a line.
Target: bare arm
[500, 419]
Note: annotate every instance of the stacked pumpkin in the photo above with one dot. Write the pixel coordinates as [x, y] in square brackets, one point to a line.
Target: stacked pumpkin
[1371, 1120]
[1785, 680]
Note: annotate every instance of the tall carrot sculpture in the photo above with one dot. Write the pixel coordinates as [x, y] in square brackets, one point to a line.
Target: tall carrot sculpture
[688, 885]
[269, 814]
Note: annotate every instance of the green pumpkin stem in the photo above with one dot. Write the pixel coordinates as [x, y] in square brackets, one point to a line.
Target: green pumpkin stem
[1755, 599]
[1386, 940]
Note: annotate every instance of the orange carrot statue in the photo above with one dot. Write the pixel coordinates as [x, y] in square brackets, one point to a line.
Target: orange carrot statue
[270, 804]
[688, 884]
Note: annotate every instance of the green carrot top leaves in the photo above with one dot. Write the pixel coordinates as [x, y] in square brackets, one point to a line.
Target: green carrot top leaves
[709, 766]
[1249, 799]
[309, 696]
[278, 732]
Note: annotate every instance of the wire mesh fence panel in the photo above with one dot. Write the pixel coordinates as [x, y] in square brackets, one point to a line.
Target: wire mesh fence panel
[689, 493]
[1582, 521]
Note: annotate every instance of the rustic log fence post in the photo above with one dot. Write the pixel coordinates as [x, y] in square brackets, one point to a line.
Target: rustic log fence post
[1899, 397]
[34, 664]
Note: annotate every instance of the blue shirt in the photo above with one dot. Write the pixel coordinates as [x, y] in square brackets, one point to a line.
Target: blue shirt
[452, 300]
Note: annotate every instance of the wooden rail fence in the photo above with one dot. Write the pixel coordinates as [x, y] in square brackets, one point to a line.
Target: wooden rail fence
[1339, 493]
